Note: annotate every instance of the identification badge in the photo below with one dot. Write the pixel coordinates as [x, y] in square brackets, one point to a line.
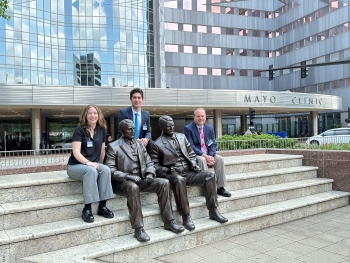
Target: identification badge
[209, 142]
[89, 144]
[144, 127]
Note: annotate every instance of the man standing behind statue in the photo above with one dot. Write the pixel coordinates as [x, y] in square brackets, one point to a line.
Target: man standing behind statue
[132, 172]
[202, 139]
[140, 118]
[175, 160]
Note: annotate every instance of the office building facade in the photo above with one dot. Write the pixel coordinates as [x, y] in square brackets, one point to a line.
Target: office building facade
[187, 44]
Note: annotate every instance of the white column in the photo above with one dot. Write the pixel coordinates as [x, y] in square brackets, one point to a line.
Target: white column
[218, 123]
[313, 123]
[36, 128]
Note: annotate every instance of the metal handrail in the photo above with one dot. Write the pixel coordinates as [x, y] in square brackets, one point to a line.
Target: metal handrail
[34, 157]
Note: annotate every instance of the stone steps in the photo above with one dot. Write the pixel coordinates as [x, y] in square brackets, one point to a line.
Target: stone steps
[33, 239]
[128, 249]
[41, 212]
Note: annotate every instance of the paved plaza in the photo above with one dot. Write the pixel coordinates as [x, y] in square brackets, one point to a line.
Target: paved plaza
[322, 238]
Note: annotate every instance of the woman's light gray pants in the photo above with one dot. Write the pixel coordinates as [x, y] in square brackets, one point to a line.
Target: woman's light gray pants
[96, 183]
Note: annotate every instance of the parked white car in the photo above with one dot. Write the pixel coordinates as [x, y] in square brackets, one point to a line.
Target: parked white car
[64, 144]
[339, 135]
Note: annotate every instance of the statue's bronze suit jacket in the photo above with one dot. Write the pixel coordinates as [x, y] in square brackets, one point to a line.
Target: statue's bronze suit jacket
[120, 160]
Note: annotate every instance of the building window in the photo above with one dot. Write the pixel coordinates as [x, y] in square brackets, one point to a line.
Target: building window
[308, 89]
[230, 51]
[202, 29]
[243, 32]
[268, 54]
[333, 6]
[334, 57]
[229, 10]
[321, 87]
[333, 32]
[308, 41]
[215, 8]
[201, 5]
[243, 72]
[268, 15]
[187, 27]
[320, 36]
[256, 53]
[188, 71]
[230, 31]
[171, 48]
[319, 13]
[243, 52]
[216, 72]
[346, 27]
[307, 19]
[285, 29]
[202, 50]
[268, 34]
[230, 72]
[216, 51]
[347, 82]
[202, 71]
[170, 4]
[187, 5]
[256, 33]
[216, 30]
[335, 84]
[296, 45]
[296, 24]
[188, 49]
[256, 13]
[171, 26]
[256, 73]
[243, 12]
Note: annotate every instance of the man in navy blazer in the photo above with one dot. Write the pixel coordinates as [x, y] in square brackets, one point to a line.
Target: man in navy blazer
[144, 123]
[206, 152]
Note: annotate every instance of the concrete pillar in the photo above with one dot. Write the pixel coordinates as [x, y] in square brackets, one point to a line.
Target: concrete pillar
[112, 128]
[243, 123]
[313, 123]
[36, 128]
[218, 123]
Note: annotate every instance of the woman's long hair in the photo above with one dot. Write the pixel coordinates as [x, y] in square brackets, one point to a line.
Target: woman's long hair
[83, 120]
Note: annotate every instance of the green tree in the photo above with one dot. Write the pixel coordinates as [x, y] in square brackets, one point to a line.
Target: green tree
[4, 5]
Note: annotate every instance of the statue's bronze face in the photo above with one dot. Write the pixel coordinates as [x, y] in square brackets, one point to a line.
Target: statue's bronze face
[168, 128]
[128, 131]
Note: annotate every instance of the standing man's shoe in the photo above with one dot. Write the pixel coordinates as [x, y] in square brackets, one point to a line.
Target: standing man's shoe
[222, 191]
[215, 215]
[187, 222]
[173, 226]
[141, 234]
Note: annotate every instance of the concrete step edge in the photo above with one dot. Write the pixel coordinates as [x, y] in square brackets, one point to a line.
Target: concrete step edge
[272, 172]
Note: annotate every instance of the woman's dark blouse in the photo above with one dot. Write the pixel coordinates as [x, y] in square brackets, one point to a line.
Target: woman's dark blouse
[91, 153]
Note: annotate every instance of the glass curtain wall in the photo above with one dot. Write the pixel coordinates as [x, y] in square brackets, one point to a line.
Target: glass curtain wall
[79, 42]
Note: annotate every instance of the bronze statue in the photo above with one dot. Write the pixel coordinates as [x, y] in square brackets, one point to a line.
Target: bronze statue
[132, 172]
[175, 160]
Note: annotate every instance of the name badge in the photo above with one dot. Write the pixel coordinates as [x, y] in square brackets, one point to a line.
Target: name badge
[89, 144]
[209, 142]
[144, 127]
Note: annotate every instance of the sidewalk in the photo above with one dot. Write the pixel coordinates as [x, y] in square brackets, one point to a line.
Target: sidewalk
[322, 238]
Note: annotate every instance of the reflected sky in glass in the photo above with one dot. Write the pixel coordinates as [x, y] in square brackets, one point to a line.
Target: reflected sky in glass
[78, 42]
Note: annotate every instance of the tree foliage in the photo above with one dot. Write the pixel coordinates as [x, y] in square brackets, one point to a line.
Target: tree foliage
[4, 5]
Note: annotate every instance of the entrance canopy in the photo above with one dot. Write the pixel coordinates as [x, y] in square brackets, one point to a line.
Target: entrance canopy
[68, 101]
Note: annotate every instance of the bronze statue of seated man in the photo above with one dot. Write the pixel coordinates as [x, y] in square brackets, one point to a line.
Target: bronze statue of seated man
[132, 172]
[175, 160]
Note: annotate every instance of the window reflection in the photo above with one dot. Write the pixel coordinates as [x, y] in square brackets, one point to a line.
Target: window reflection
[55, 30]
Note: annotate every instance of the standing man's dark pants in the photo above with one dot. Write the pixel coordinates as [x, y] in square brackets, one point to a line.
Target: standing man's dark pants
[132, 191]
[204, 178]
